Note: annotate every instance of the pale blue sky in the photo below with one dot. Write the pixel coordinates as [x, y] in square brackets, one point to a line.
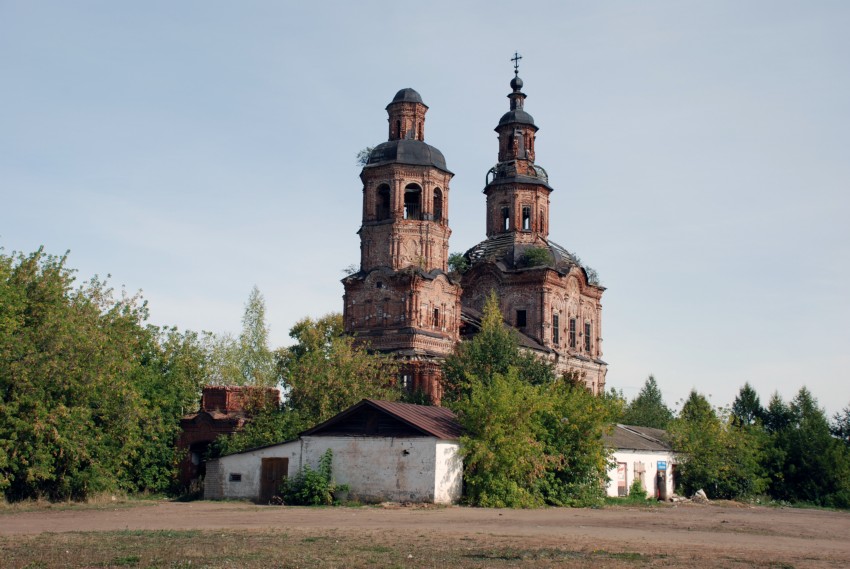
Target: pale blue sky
[699, 151]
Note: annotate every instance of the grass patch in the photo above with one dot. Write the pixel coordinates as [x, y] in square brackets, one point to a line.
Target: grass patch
[105, 501]
[127, 560]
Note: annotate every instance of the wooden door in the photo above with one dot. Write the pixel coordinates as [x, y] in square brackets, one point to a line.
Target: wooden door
[272, 473]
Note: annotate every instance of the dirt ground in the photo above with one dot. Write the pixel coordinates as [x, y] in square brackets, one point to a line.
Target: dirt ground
[715, 535]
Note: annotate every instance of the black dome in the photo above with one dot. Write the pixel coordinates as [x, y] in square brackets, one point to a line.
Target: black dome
[408, 95]
[413, 152]
[518, 115]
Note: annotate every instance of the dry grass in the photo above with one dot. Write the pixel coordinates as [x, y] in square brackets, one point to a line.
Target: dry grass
[216, 549]
[105, 500]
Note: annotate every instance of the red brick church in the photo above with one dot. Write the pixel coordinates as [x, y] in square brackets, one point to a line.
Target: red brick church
[403, 301]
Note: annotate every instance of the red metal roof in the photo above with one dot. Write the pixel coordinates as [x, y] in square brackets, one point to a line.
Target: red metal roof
[437, 422]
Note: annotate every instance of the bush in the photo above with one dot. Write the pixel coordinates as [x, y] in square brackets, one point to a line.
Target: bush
[312, 487]
[536, 257]
[636, 490]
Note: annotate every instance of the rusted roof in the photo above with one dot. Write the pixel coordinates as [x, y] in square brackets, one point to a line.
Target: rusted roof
[216, 416]
[473, 318]
[437, 422]
[629, 437]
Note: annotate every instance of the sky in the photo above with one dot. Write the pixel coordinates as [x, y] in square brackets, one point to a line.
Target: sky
[699, 151]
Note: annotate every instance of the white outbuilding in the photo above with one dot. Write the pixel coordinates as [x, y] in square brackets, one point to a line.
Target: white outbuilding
[383, 451]
[644, 454]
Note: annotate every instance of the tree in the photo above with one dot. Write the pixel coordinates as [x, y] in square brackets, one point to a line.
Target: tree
[572, 426]
[648, 408]
[504, 459]
[809, 464]
[714, 456]
[747, 409]
[841, 426]
[246, 360]
[778, 415]
[256, 360]
[531, 438]
[493, 350]
[458, 263]
[325, 372]
[89, 396]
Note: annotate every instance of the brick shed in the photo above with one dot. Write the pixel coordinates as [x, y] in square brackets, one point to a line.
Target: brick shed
[382, 450]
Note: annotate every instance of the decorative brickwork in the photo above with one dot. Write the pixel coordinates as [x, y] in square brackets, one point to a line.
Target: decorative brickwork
[543, 289]
[402, 301]
[224, 410]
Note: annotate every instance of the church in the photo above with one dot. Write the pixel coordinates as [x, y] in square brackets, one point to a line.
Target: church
[405, 302]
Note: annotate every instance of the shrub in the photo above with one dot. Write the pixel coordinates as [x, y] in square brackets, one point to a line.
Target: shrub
[636, 490]
[536, 257]
[312, 487]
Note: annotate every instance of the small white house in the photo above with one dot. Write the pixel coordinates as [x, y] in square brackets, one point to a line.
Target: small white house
[641, 453]
[384, 451]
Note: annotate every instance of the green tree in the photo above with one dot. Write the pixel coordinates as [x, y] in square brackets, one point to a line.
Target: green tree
[493, 350]
[648, 408]
[571, 427]
[246, 360]
[458, 263]
[504, 460]
[325, 371]
[747, 409]
[841, 425]
[713, 455]
[531, 438]
[89, 396]
[809, 464]
[256, 359]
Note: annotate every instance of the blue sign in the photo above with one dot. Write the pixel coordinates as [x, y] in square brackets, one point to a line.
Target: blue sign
[662, 465]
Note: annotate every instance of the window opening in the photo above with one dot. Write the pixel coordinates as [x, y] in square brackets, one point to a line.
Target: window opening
[438, 205]
[587, 336]
[436, 317]
[235, 477]
[506, 219]
[556, 332]
[412, 202]
[382, 207]
[520, 319]
[398, 129]
[526, 218]
[572, 332]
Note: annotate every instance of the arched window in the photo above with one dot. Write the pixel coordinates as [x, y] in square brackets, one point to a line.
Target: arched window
[526, 218]
[556, 329]
[382, 205]
[438, 204]
[412, 202]
[506, 218]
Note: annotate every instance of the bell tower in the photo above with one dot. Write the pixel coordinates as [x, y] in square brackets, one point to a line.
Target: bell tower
[402, 301]
[517, 189]
[545, 292]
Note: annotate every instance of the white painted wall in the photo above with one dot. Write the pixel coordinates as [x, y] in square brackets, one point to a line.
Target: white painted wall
[418, 469]
[387, 468]
[248, 465]
[448, 475]
[650, 463]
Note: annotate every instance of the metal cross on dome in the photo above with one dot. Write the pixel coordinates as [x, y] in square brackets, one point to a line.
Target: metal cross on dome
[516, 59]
